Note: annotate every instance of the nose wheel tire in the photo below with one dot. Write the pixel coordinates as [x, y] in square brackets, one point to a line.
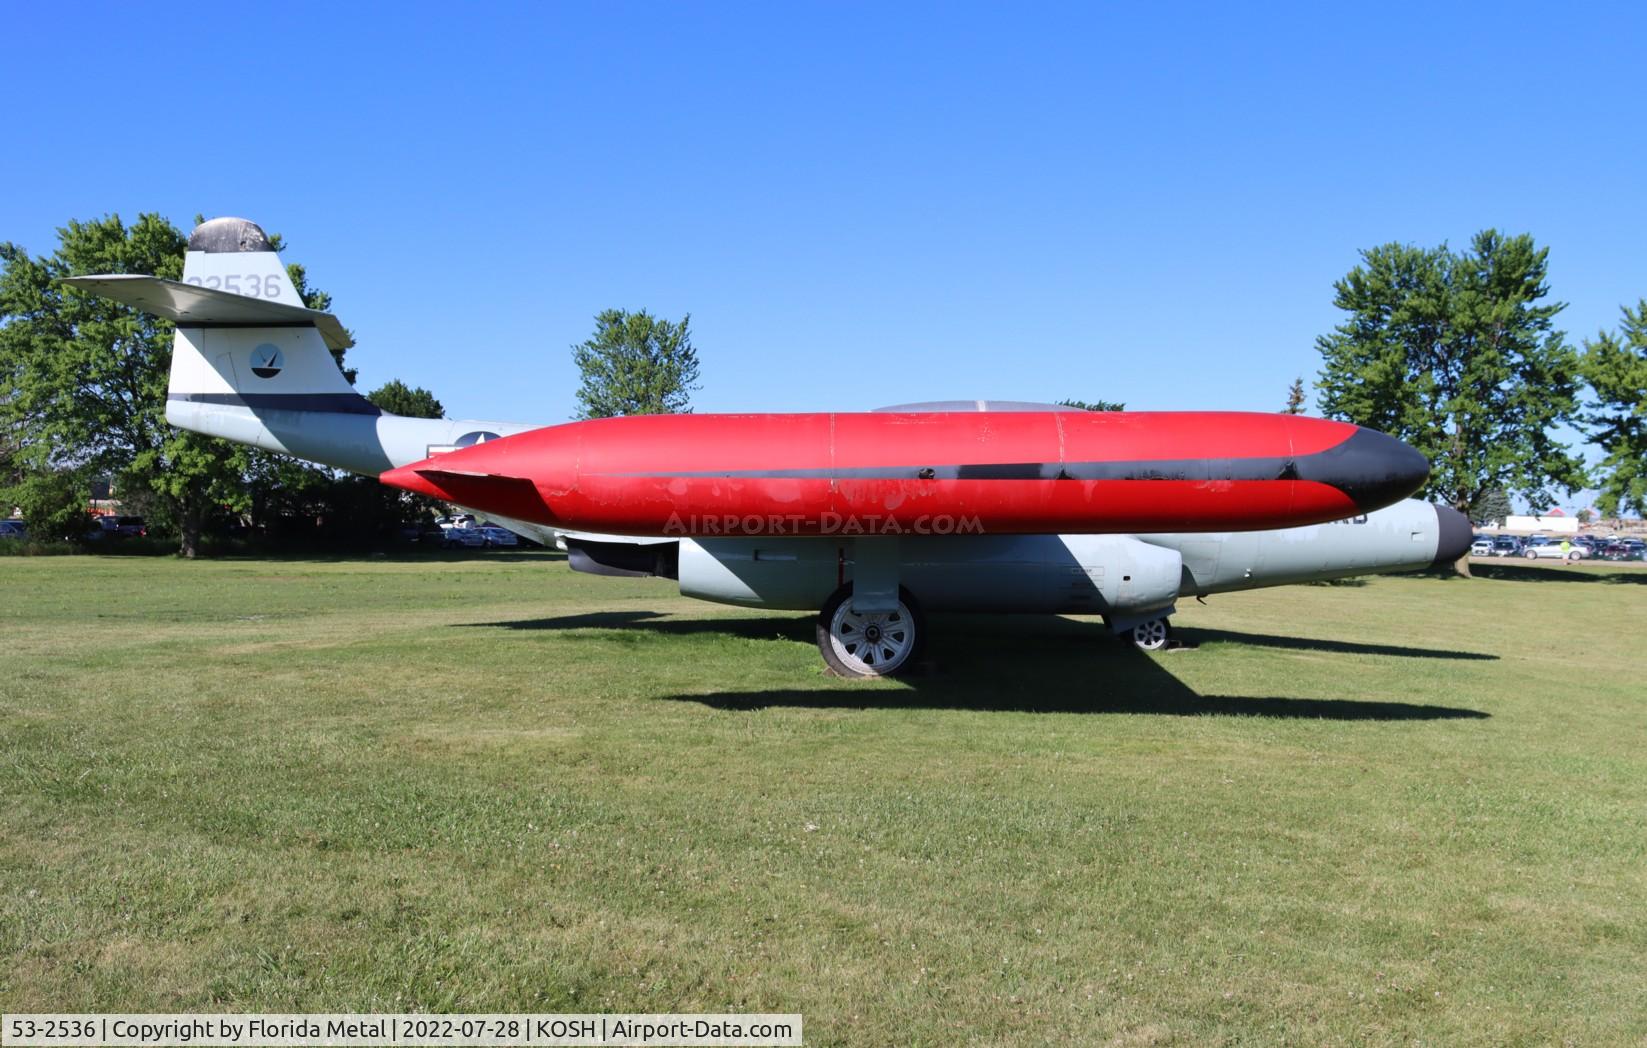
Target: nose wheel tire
[870, 644]
[1150, 636]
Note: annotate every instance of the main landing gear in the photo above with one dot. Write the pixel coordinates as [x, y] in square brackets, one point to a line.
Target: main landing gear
[881, 643]
[1149, 636]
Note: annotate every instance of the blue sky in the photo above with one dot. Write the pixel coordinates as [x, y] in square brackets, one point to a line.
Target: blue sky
[858, 204]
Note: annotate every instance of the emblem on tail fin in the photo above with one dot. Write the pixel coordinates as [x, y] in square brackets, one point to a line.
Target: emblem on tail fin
[267, 360]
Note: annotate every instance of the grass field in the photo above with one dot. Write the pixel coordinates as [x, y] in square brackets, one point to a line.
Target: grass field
[1409, 811]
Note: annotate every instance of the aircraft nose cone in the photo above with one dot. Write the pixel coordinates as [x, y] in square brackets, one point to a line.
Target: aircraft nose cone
[1374, 469]
[1454, 535]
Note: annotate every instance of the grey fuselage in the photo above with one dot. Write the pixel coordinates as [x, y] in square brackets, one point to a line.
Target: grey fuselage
[1122, 576]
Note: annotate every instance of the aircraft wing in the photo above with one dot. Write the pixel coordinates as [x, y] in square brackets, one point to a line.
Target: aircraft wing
[190, 304]
[618, 540]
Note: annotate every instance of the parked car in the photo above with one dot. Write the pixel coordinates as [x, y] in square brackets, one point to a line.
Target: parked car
[496, 536]
[13, 529]
[1506, 546]
[1553, 551]
[1618, 551]
[118, 528]
[455, 537]
[1481, 548]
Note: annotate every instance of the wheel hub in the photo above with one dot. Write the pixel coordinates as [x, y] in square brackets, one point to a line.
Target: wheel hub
[873, 644]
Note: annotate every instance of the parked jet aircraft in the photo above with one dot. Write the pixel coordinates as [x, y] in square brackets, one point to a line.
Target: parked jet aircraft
[873, 517]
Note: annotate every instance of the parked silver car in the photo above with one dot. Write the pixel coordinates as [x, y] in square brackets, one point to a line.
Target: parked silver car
[1553, 551]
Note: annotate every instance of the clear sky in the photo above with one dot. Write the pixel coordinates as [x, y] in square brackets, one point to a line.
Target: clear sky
[858, 204]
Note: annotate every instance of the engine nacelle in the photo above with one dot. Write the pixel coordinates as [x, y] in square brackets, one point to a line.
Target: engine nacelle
[1127, 578]
[1115, 575]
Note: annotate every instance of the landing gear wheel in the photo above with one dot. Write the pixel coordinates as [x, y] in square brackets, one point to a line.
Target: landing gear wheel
[880, 644]
[1150, 636]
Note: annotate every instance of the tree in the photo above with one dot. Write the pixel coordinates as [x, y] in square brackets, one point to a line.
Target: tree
[1094, 405]
[1494, 504]
[636, 364]
[1295, 398]
[1584, 516]
[1457, 354]
[397, 398]
[53, 501]
[85, 378]
[1615, 365]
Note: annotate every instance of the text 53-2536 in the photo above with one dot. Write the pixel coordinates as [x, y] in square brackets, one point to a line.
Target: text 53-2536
[79, 1029]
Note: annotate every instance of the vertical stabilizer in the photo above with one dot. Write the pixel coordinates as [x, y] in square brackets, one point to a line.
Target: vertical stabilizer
[234, 255]
[251, 364]
[246, 364]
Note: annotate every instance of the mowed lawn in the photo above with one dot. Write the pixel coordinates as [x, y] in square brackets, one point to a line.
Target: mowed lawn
[1410, 810]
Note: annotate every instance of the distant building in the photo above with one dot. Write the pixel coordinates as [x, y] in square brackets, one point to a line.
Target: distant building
[1554, 522]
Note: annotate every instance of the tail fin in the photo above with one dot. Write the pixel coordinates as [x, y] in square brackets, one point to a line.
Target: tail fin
[281, 365]
[235, 255]
[251, 364]
[244, 338]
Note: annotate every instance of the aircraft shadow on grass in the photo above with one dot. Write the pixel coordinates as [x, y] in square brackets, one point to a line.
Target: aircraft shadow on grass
[412, 556]
[1533, 571]
[1031, 664]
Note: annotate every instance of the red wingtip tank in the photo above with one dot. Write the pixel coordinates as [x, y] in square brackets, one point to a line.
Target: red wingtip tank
[920, 472]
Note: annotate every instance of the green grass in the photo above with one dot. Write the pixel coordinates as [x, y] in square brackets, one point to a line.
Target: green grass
[1413, 810]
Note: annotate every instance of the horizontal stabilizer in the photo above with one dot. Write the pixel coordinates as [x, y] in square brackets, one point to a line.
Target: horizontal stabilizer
[464, 476]
[514, 497]
[192, 306]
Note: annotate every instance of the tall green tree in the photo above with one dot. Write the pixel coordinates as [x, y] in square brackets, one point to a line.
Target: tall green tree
[1094, 405]
[636, 364]
[1457, 354]
[85, 378]
[1295, 397]
[1615, 365]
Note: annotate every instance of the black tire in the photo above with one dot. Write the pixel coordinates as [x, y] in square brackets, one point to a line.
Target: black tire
[1153, 635]
[847, 662]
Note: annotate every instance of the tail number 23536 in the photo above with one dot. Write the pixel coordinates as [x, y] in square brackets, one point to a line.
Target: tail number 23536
[254, 285]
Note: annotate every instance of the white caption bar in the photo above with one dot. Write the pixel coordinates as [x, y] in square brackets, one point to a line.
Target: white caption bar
[363, 1030]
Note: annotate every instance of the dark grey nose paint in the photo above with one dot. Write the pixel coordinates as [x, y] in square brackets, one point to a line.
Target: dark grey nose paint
[1453, 535]
[1372, 468]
